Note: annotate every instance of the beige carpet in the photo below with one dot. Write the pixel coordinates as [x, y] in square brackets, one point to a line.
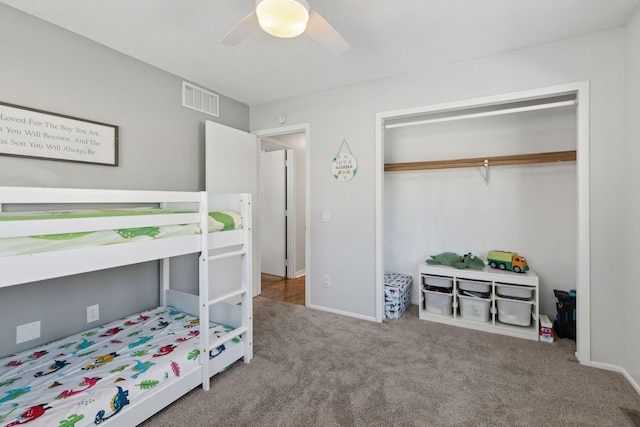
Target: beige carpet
[316, 368]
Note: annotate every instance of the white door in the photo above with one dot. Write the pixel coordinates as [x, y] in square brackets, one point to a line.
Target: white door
[273, 221]
[231, 166]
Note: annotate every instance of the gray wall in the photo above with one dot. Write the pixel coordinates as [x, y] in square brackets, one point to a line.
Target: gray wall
[630, 290]
[345, 247]
[161, 148]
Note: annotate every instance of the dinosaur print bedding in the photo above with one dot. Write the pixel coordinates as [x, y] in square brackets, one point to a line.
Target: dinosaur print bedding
[92, 376]
[217, 221]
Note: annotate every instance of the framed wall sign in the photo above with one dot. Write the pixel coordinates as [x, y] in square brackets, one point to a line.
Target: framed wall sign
[27, 132]
[344, 165]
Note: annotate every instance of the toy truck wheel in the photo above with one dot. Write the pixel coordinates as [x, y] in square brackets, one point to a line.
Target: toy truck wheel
[493, 264]
[502, 266]
[517, 269]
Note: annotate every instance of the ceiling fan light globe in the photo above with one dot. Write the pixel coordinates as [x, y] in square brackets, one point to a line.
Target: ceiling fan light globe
[282, 18]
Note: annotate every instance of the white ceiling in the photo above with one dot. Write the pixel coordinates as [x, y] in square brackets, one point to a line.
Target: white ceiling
[387, 37]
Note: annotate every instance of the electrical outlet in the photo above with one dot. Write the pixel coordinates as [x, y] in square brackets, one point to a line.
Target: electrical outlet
[27, 332]
[93, 313]
[326, 216]
[326, 281]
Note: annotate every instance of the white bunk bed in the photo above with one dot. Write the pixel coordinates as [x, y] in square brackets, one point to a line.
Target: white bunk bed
[214, 354]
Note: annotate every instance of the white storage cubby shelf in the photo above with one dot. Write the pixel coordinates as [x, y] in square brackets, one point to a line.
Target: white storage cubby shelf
[510, 307]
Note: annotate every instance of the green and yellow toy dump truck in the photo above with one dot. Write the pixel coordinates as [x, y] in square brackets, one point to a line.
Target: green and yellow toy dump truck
[507, 261]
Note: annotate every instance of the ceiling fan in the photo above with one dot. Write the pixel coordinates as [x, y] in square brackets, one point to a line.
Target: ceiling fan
[286, 19]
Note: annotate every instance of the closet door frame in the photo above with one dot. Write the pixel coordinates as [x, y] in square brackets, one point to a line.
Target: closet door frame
[583, 285]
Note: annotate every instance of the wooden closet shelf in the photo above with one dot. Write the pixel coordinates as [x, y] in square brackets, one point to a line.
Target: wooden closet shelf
[517, 159]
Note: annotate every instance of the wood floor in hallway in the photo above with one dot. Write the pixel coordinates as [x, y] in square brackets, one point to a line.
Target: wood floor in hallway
[283, 289]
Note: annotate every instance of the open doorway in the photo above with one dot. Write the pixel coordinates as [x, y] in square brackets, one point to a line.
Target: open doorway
[282, 190]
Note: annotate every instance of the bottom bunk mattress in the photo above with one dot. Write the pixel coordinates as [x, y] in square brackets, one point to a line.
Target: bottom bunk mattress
[89, 377]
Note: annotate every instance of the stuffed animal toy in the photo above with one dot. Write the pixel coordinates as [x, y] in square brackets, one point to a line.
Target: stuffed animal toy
[472, 261]
[452, 259]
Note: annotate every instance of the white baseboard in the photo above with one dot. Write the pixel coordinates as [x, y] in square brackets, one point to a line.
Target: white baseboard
[616, 368]
[300, 273]
[342, 313]
[633, 382]
[606, 366]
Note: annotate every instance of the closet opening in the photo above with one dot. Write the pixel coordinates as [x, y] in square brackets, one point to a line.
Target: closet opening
[507, 172]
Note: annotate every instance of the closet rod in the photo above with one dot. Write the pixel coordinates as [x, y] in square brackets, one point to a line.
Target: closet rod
[517, 159]
[486, 114]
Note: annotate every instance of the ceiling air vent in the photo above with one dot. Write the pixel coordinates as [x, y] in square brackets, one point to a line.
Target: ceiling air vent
[200, 99]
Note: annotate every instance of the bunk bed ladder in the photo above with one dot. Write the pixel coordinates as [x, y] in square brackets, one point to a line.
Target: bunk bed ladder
[247, 280]
[244, 292]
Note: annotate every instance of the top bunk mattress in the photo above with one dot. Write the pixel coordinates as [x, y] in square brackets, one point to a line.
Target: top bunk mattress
[22, 245]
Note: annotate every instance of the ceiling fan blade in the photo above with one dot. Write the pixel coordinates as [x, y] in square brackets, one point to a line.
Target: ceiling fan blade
[241, 31]
[322, 32]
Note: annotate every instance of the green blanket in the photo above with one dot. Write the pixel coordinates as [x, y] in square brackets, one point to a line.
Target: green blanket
[217, 221]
